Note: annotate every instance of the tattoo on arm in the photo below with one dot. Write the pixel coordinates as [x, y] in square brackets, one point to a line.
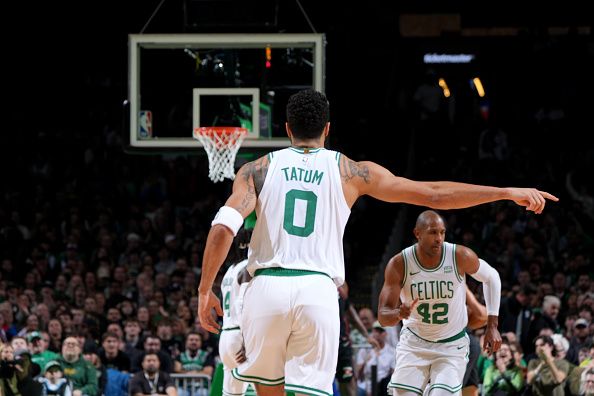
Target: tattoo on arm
[253, 174]
[350, 169]
[260, 171]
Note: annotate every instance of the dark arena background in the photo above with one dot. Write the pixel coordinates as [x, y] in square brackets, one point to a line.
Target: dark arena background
[101, 242]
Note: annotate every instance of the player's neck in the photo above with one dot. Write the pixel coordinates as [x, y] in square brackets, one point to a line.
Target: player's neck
[428, 261]
[307, 143]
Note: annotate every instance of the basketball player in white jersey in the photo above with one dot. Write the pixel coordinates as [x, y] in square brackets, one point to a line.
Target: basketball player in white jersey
[302, 196]
[425, 287]
[233, 287]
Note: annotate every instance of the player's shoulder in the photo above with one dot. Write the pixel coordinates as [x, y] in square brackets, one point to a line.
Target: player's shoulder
[397, 262]
[463, 252]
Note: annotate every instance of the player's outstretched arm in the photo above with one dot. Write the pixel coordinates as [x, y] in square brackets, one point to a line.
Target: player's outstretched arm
[220, 237]
[369, 178]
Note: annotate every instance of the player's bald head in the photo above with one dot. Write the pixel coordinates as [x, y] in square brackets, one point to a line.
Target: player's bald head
[427, 218]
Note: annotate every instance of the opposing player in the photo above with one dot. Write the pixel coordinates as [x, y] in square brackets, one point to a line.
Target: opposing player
[429, 279]
[302, 196]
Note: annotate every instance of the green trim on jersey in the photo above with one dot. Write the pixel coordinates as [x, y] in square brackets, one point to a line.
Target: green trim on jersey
[456, 263]
[449, 339]
[443, 249]
[302, 150]
[231, 328]
[270, 155]
[306, 390]
[338, 154]
[405, 270]
[411, 388]
[278, 271]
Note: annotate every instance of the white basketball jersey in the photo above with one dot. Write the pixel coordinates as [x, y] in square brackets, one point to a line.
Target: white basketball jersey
[232, 293]
[441, 310]
[302, 213]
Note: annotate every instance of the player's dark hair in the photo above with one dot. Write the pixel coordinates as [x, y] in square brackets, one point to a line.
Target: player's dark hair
[308, 112]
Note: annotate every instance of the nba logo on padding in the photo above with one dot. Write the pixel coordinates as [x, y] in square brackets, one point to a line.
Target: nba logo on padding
[145, 124]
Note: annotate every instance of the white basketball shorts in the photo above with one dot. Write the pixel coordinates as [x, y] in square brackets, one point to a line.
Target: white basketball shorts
[291, 329]
[420, 362]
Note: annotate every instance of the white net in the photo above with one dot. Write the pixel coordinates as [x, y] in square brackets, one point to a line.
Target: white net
[221, 145]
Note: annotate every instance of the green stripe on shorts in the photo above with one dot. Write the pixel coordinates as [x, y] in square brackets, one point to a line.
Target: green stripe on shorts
[257, 380]
[411, 388]
[306, 390]
[451, 389]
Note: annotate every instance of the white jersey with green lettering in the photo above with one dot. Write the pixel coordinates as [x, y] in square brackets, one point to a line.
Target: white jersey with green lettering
[302, 213]
[441, 310]
[232, 293]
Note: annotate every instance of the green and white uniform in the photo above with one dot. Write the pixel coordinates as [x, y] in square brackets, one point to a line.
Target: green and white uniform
[433, 345]
[231, 340]
[290, 321]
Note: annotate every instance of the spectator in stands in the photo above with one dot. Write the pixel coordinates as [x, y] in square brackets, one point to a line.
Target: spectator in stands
[169, 344]
[152, 344]
[32, 324]
[581, 338]
[132, 342]
[516, 314]
[194, 359]
[143, 318]
[111, 356]
[18, 344]
[53, 381]
[587, 383]
[505, 377]
[382, 356]
[54, 329]
[16, 373]
[547, 318]
[151, 380]
[546, 375]
[81, 373]
[38, 348]
[117, 330]
[367, 318]
[9, 329]
[91, 355]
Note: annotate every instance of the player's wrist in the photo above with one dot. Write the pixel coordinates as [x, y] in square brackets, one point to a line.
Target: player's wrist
[203, 290]
[492, 321]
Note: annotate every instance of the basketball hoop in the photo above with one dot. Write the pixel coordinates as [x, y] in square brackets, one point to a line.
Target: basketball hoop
[221, 145]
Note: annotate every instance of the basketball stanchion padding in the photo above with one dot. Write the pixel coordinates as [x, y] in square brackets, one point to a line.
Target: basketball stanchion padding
[221, 145]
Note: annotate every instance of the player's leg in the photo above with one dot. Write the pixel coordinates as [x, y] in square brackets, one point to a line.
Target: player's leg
[265, 326]
[413, 361]
[312, 350]
[230, 343]
[448, 367]
[264, 390]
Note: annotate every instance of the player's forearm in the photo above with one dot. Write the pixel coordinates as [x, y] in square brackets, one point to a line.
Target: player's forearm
[453, 195]
[217, 247]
